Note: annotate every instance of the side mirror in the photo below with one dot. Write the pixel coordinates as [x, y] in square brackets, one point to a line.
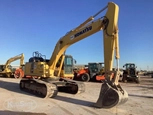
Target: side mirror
[74, 61]
[123, 66]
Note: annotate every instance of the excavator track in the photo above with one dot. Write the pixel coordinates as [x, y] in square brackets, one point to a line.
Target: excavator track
[47, 89]
[70, 86]
[38, 87]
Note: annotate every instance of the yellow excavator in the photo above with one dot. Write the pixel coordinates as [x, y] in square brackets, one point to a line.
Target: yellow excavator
[45, 82]
[6, 69]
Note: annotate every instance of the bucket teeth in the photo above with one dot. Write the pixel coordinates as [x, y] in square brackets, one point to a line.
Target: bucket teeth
[110, 96]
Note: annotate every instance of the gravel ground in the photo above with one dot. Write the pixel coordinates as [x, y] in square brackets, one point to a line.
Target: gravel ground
[15, 102]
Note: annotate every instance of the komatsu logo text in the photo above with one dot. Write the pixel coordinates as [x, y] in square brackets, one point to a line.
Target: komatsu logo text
[83, 31]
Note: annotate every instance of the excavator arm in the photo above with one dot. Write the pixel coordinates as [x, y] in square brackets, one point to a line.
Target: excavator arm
[12, 59]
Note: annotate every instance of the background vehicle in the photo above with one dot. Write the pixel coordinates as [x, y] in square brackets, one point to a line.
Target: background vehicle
[6, 69]
[130, 73]
[48, 83]
[92, 71]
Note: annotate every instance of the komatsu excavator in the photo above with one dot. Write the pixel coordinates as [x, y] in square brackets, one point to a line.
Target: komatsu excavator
[6, 69]
[47, 83]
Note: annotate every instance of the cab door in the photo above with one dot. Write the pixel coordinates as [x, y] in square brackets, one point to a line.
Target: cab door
[68, 65]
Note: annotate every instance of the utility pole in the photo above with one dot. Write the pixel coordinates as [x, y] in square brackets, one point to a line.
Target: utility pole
[147, 68]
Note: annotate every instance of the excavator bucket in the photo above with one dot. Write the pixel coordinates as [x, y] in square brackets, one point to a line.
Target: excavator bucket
[111, 95]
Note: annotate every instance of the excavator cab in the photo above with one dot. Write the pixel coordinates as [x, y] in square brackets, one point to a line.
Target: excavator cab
[67, 66]
[2, 67]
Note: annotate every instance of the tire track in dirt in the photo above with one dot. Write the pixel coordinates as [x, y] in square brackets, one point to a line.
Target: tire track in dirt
[65, 110]
[69, 113]
[89, 111]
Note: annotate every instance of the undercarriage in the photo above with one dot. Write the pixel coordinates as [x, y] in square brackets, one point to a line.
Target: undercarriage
[46, 88]
[110, 95]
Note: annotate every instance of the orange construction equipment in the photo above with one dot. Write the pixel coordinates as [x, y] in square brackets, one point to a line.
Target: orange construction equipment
[94, 72]
[19, 73]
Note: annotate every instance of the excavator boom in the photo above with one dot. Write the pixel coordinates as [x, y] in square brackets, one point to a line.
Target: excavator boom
[108, 24]
[12, 59]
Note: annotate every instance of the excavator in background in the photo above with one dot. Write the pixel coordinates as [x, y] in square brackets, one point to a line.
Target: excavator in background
[92, 72]
[49, 82]
[7, 70]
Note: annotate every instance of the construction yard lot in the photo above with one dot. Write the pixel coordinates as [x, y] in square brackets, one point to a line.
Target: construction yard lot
[15, 102]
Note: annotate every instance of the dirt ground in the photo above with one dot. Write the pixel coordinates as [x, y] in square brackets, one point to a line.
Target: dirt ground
[15, 102]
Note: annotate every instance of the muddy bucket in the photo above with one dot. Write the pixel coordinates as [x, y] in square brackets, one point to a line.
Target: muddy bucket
[111, 96]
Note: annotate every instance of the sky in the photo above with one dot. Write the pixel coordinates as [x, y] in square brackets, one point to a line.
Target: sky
[36, 25]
